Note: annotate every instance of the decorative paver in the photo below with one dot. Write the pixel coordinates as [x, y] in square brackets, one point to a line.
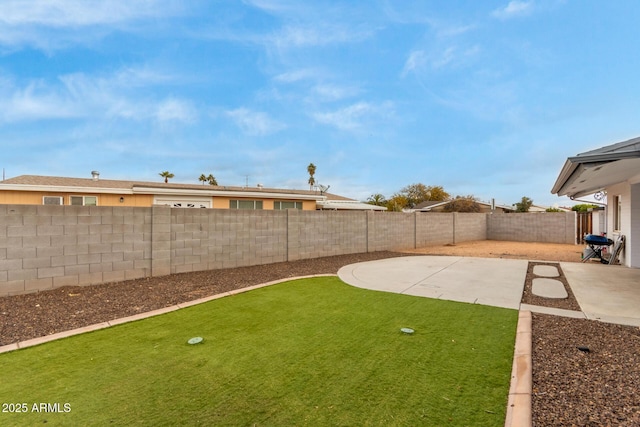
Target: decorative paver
[548, 288]
[546, 270]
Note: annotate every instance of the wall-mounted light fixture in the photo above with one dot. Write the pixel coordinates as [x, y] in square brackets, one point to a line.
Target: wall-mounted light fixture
[121, 199]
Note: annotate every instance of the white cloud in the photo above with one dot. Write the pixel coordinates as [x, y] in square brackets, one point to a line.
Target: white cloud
[513, 9]
[53, 24]
[79, 96]
[175, 110]
[74, 13]
[417, 60]
[452, 31]
[34, 102]
[355, 117]
[254, 122]
[296, 75]
[297, 36]
[449, 56]
[330, 92]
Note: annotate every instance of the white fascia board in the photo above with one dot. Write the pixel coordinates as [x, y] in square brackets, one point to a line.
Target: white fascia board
[346, 205]
[223, 193]
[64, 189]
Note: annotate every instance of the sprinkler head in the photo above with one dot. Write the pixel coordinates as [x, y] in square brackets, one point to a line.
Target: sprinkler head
[195, 340]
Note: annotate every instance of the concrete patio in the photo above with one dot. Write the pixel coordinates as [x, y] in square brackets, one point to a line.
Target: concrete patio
[606, 293]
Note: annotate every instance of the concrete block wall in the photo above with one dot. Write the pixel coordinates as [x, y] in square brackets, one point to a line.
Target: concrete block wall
[203, 239]
[470, 226]
[434, 229]
[548, 227]
[390, 231]
[313, 234]
[44, 247]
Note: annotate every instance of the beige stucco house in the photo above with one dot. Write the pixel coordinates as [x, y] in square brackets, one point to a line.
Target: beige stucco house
[95, 191]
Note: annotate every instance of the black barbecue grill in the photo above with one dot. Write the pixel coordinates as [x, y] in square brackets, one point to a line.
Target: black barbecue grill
[597, 244]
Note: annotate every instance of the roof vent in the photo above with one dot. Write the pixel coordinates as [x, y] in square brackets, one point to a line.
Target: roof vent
[95, 175]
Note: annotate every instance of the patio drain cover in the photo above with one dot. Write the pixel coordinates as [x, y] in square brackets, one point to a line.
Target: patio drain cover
[407, 331]
[195, 340]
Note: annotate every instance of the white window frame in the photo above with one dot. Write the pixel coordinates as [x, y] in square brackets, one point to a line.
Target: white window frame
[617, 212]
[277, 205]
[184, 202]
[84, 200]
[60, 200]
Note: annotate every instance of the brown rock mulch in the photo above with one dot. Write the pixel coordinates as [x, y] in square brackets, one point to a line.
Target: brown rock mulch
[27, 316]
[528, 297]
[571, 387]
[595, 387]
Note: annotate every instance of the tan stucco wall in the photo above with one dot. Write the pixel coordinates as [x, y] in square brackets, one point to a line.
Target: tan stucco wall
[35, 198]
[267, 204]
[136, 200]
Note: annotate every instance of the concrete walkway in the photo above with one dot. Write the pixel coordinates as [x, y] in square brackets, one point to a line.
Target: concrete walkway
[606, 293]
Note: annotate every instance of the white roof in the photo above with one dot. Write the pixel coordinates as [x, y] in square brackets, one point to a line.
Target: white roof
[594, 170]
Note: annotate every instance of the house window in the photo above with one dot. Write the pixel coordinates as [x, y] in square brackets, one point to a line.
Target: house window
[617, 212]
[52, 200]
[84, 200]
[188, 205]
[245, 204]
[280, 205]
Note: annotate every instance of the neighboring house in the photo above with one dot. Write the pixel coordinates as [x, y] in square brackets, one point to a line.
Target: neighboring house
[539, 208]
[485, 207]
[50, 190]
[339, 203]
[614, 169]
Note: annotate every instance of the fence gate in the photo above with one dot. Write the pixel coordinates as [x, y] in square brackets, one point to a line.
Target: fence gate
[584, 226]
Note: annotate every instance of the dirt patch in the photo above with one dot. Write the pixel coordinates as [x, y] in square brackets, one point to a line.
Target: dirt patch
[512, 250]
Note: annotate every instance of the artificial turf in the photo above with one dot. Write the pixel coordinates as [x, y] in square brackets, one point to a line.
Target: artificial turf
[306, 352]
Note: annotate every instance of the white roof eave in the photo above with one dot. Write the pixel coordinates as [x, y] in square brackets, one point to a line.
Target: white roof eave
[64, 189]
[224, 193]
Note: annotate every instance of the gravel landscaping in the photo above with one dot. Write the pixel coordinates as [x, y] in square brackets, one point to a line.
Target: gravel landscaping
[573, 386]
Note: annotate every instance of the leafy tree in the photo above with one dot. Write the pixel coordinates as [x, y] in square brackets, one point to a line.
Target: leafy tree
[312, 171]
[583, 207]
[524, 205]
[212, 180]
[166, 175]
[202, 179]
[397, 202]
[463, 204]
[418, 193]
[552, 210]
[377, 200]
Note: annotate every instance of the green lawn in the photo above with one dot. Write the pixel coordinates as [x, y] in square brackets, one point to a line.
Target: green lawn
[307, 352]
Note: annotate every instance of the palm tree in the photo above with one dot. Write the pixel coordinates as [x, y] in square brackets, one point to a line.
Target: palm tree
[377, 200]
[166, 175]
[312, 170]
[212, 180]
[203, 179]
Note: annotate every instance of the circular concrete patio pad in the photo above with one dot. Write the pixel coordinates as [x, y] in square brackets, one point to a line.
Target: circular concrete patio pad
[488, 281]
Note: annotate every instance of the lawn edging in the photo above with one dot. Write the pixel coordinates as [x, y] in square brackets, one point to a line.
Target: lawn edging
[48, 338]
[519, 402]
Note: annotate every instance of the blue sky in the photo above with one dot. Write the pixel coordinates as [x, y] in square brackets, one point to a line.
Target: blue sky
[481, 97]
